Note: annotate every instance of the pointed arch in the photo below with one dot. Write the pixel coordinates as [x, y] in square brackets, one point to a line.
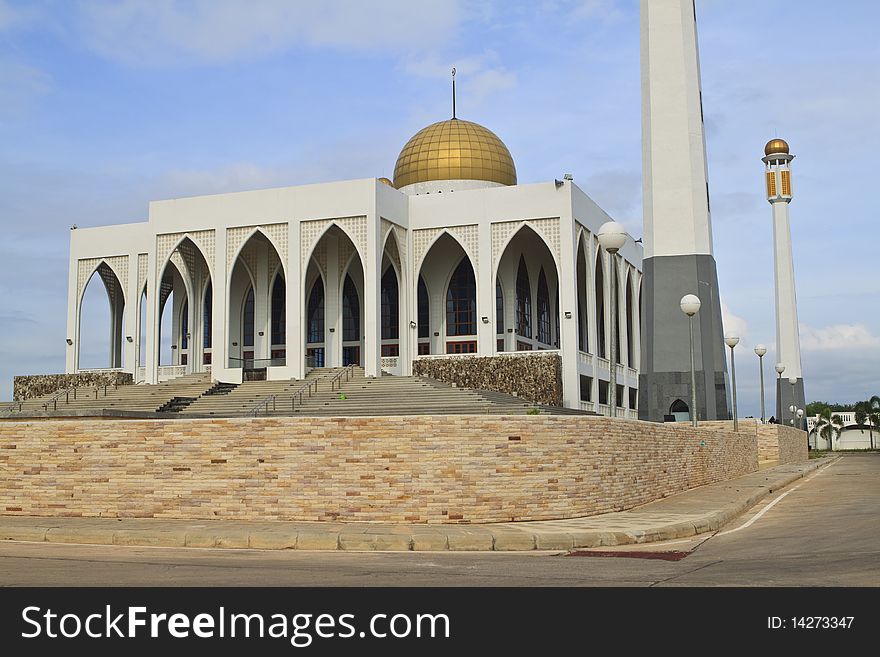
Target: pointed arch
[499, 307]
[630, 326]
[423, 303]
[278, 310]
[583, 295]
[543, 308]
[310, 251]
[115, 294]
[184, 238]
[390, 305]
[429, 247]
[236, 256]
[527, 226]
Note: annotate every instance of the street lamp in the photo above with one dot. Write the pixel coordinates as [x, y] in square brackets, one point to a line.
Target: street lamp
[793, 381]
[780, 368]
[760, 350]
[612, 236]
[690, 306]
[731, 340]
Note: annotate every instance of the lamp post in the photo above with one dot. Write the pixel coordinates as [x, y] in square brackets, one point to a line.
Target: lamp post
[793, 381]
[800, 415]
[780, 368]
[690, 306]
[760, 350]
[612, 236]
[731, 340]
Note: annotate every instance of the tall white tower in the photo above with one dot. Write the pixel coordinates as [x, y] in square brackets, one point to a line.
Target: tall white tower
[678, 257]
[788, 344]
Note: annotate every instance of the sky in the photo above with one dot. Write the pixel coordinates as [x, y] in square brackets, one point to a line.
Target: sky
[105, 106]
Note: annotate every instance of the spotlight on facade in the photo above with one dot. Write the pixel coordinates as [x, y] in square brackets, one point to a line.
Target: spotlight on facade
[69, 342]
[567, 314]
[558, 183]
[485, 320]
[260, 333]
[412, 324]
[174, 346]
[130, 339]
[568, 176]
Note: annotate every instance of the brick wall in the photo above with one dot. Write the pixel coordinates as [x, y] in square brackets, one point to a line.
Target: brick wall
[776, 442]
[535, 377]
[409, 469]
[35, 385]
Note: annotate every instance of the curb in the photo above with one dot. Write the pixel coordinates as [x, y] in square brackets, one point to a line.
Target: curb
[487, 538]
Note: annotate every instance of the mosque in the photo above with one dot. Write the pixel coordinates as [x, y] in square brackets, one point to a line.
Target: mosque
[451, 259]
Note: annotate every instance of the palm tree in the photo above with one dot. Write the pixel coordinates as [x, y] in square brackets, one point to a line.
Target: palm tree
[828, 427]
[867, 413]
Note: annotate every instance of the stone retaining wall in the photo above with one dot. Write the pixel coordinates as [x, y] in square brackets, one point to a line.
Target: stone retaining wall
[776, 442]
[392, 469]
[535, 378]
[36, 385]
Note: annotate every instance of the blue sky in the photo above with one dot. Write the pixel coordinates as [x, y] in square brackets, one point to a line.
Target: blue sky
[106, 106]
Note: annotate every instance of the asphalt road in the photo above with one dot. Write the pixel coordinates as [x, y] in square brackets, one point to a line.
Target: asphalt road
[825, 531]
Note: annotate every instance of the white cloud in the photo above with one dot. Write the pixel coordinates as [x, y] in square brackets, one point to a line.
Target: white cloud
[838, 337]
[169, 31]
[478, 76]
[733, 323]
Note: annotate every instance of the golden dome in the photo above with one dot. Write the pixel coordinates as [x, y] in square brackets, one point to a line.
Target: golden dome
[454, 150]
[386, 181]
[776, 146]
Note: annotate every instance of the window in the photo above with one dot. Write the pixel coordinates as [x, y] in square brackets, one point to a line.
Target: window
[206, 359]
[523, 346]
[630, 327]
[184, 327]
[390, 305]
[351, 314]
[620, 396]
[771, 184]
[279, 314]
[315, 357]
[543, 309]
[633, 398]
[523, 301]
[467, 347]
[183, 358]
[461, 301]
[499, 307]
[351, 355]
[390, 350]
[603, 392]
[248, 320]
[316, 315]
[424, 348]
[586, 388]
[423, 310]
[499, 344]
[206, 317]
[785, 174]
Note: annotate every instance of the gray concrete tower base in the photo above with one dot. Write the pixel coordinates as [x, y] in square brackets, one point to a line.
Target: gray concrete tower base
[785, 397]
[665, 368]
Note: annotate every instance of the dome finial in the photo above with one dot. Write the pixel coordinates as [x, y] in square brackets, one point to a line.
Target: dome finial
[453, 92]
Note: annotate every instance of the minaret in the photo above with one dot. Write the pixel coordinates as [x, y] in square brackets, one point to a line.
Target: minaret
[677, 237]
[788, 344]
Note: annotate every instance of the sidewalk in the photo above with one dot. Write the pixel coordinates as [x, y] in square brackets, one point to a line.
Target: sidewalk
[692, 512]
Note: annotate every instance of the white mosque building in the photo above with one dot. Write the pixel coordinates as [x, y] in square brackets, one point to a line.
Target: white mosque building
[451, 259]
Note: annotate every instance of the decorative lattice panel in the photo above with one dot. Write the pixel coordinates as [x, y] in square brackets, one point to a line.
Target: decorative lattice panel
[393, 253]
[421, 240]
[469, 236]
[143, 260]
[309, 233]
[274, 262]
[85, 267]
[387, 227]
[546, 228]
[354, 227]
[400, 234]
[205, 240]
[345, 252]
[320, 257]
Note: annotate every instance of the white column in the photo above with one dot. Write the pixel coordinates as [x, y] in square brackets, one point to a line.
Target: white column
[261, 303]
[568, 343]
[296, 315]
[332, 304]
[485, 291]
[372, 299]
[151, 362]
[71, 353]
[787, 336]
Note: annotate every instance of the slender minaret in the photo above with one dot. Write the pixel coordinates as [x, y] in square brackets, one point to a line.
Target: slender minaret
[678, 256]
[788, 344]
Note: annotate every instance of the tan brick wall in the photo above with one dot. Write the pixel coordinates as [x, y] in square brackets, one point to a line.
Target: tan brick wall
[791, 443]
[407, 469]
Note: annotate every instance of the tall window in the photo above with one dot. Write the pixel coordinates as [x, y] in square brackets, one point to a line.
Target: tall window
[184, 325]
[315, 313]
[543, 309]
[461, 301]
[499, 307]
[207, 314]
[351, 312]
[630, 328]
[600, 308]
[424, 311]
[279, 314]
[523, 301]
[248, 319]
[390, 306]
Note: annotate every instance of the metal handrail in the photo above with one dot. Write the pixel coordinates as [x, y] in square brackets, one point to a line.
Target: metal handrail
[335, 379]
[54, 398]
[262, 403]
[299, 392]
